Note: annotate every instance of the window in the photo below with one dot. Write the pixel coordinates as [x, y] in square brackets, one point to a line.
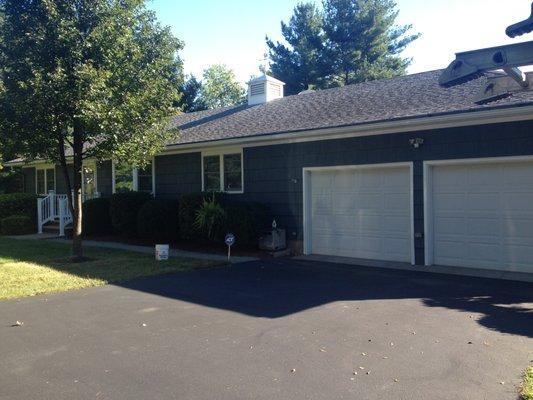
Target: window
[45, 180]
[89, 181]
[144, 179]
[232, 173]
[128, 178]
[223, 172]
[212, 173]
[123, 178]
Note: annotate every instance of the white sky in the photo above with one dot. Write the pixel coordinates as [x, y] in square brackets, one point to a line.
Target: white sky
[232, 32]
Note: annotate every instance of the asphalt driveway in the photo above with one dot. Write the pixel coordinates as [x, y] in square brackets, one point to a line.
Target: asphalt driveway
[272, 330]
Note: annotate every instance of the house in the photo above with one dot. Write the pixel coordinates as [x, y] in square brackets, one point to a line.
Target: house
[398, 169]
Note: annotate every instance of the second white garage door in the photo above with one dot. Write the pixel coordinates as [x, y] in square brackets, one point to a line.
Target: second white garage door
[480, 214]
[360, 212]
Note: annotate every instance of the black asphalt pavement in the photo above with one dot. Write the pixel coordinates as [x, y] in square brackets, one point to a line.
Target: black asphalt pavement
[281, 329]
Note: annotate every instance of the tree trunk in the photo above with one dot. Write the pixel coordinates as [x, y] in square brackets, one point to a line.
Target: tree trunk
[77, 249]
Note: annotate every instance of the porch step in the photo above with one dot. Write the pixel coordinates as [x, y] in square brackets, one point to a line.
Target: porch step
[53, 227]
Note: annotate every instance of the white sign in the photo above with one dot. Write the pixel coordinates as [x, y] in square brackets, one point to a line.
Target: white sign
[229, 239]
[161, 252]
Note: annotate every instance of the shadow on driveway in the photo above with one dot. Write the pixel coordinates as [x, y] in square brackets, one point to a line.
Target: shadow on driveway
[273, 289]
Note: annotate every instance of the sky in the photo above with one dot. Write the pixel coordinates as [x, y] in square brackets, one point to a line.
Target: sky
[232, 32]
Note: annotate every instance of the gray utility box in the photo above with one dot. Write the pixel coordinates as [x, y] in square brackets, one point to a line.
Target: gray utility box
[273, 240]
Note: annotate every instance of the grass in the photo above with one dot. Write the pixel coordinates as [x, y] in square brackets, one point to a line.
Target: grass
[526, 391]
[28, 268]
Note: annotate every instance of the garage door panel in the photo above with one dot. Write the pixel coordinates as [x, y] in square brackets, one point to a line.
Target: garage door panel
[369, 215]
[397, 201]
[486, 221]
[449, 201]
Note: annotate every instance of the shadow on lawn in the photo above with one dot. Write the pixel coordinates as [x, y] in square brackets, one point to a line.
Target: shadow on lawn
[273, 289]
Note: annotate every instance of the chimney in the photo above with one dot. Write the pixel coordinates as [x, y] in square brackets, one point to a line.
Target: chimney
[264, 89]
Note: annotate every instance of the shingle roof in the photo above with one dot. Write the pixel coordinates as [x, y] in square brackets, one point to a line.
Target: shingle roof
[404, 97]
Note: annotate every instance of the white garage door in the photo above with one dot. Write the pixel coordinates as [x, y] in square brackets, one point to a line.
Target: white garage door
[361, 212]
[482, 215]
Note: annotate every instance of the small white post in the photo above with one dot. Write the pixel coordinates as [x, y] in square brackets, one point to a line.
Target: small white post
[39, 216]
[53, 205]
[62, 217]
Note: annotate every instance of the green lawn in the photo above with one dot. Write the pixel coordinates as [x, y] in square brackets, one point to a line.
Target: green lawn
[30, 267]
[527, 386]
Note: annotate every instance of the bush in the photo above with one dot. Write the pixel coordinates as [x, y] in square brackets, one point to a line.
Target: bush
[158, 219]
[247, 221]
[17, 225]
[124, 208]
[11, 181]
[19, 204]
[210, 219]
[96, 217]
[189, 205]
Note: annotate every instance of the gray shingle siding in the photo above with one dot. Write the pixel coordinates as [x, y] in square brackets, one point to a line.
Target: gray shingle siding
[29, 179]
[178, 174]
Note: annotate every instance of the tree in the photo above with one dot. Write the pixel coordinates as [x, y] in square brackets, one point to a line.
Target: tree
[220, 87]
[191, 99]
[353, 41]
[96, 77]
[301, 64]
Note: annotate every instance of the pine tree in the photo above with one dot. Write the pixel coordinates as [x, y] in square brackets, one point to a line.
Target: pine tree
[348, 41]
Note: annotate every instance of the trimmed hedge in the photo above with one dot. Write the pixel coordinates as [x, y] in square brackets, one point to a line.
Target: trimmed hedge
[19, 204]
[189, 205]
[96, 217]
[17, 225]
[158, 220]
[124, 208]
[247, 221]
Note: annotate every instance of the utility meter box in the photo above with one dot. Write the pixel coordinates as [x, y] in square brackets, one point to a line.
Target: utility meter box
[273, 240]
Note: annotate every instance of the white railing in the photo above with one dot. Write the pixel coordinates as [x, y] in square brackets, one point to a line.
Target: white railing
[46, 208]
[65, 216]
[55, 207]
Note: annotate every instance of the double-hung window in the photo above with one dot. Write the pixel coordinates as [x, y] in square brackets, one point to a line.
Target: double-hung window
[127, 178]
[223, 171]
[45, 180]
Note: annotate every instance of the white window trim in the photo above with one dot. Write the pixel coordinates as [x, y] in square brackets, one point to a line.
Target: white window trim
[45, 167]
[93, 164]
[221, 153]
[135, 177]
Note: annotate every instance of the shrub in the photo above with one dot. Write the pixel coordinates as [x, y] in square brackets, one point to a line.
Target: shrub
[17, 225]
[96, 217]
[189, 205]
[247, 221]
[158, 219]
[124, 208]
[210, 219]
[18, 204]
[11, 181]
